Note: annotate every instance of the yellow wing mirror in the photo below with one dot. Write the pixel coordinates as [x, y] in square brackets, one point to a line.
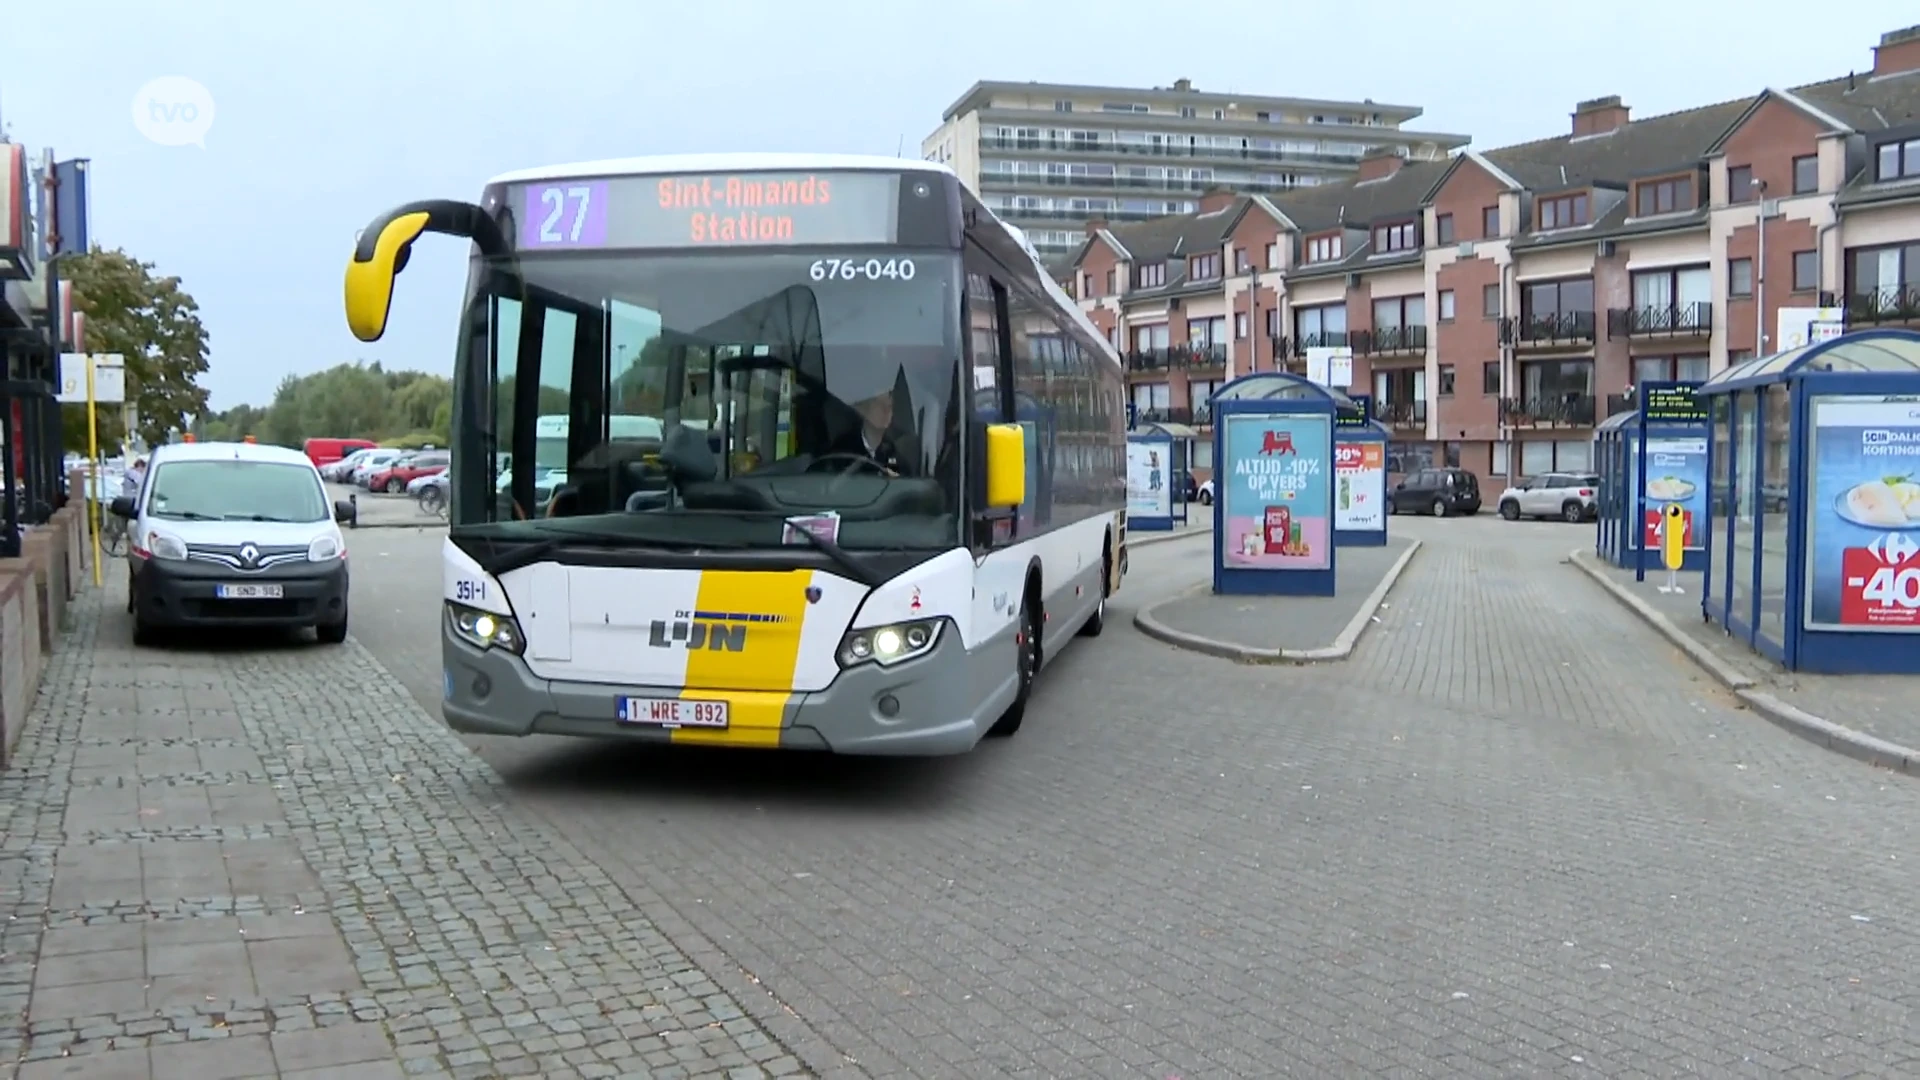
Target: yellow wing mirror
[1006, 466]
[383, 248]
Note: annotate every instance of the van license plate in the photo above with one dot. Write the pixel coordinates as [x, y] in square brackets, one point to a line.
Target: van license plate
[249, 592]
[672, 712]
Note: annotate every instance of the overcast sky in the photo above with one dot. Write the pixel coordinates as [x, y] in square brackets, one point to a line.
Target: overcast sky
[328, 112]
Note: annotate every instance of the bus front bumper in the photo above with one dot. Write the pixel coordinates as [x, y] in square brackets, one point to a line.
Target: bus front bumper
[909, 710]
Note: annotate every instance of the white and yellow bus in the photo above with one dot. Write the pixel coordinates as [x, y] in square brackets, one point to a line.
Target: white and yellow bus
[886, 483]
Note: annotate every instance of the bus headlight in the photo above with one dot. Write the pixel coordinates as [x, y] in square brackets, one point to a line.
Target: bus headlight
[484, 629]
[890, 644]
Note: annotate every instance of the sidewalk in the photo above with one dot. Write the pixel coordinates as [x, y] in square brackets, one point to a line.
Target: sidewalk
[225, 861]
[1284, 628]
[1198, 524]
[1872, 717]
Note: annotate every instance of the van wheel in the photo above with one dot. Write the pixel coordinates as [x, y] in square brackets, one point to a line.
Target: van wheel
[1027, 651]
[1510, 511]
[143, 634]
[332, 633]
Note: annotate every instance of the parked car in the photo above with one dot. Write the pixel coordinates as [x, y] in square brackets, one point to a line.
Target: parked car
[1568, 496]
[324, 452]
[1186, 485]
[340, 472]
[1205, 494]
[375, 461]
[1436, 491]
[394, 478]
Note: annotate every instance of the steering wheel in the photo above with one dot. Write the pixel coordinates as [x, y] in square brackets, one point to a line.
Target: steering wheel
[855, 462]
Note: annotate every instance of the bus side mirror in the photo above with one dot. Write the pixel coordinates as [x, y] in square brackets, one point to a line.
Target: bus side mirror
[378, 257]
[1006, 466]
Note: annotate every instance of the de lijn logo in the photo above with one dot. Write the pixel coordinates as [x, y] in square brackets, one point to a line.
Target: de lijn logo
[174, 110]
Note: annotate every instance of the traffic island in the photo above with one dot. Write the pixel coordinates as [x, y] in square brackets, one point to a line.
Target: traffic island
[1284, 629]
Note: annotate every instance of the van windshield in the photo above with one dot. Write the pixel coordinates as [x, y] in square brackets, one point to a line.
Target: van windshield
[236, 491]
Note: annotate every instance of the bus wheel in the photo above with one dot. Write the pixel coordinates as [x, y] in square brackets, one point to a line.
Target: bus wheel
[1098, 620]
[1027, 652]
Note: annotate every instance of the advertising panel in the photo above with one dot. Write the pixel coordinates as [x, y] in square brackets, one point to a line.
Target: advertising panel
[1276, 492]
[1863, 514]
[1360, 485]
[1149, 483]
[1676, 474]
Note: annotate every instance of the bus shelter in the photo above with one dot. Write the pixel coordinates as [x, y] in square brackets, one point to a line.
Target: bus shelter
[1359, 476]
[1815, 490]
[1156, 499]
[1273, 454]
[1649, 458]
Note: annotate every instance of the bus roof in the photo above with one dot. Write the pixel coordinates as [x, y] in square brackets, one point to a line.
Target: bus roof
[720, 163]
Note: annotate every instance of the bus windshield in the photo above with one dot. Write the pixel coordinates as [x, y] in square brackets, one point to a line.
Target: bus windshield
[712, 398]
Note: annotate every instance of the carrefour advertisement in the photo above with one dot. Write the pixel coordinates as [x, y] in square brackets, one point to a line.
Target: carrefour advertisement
[1360, 486]
[1863, 514]
[1276, 492]
[1676, 474]
[1149, 483]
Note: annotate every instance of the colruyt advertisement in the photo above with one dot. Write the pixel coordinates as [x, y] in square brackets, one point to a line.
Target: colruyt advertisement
[1863, 514]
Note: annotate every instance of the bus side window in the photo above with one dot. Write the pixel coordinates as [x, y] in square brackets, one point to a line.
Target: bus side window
[984, 333]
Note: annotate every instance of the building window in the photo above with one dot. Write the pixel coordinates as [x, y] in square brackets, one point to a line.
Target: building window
[1446, 380]
[1563, 212]
[1323, 249]
[1187, 112]
[1113, 281]
[1664, 197]
[1740, 277]
[1490, 378]
[1063, 106]
[1396, 312]
[1806, 174]
[1500, 458]
[1490, 222]
[1674, 299]
[1446, 305]
[1490, 301]
[1241, 264]
[1806, 271]
[1883, 280]
[1402, 236]
[1150, 275]
[1648, 369]
[1325, 325]
[1897, 160]
[1736, 357]
[1203, 267]
[1450, 452]
[1273, 256]
[1240, 325]
[1740, 183]
[1443, 229]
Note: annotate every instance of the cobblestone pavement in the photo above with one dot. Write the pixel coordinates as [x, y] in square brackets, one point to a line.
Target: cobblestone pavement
[1517, 835]
[231, 860]
[1887, 706]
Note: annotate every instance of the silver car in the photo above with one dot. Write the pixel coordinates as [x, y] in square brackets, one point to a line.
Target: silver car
[1567, 496]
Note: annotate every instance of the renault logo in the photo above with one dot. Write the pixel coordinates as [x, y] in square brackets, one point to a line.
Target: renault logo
[249, 555]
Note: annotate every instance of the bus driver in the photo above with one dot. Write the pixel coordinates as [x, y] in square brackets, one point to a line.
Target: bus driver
[866, 385]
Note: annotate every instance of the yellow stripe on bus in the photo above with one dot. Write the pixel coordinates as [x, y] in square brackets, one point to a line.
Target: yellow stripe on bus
[755, 680]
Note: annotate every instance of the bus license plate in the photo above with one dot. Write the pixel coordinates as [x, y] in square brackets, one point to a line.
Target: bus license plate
[672, 712]
[248, 592]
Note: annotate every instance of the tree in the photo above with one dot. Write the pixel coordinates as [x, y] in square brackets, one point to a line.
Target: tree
[155, 325]
[357, 401]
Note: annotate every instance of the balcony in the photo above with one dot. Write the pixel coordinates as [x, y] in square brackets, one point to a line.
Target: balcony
[1198, 356]
[1329, 339]
[1044, 145]
[1566, 329]
[999, 180]
[1166, 416]
[1661, 321]
[1887, 304]
[1148, 360]
[1548, 411]
[1203, 414]
[1619, 403]
[1282, 349]
[1388, 340]
[1402, 415]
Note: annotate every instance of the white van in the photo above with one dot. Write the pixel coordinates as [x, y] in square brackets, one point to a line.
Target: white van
[234, 534]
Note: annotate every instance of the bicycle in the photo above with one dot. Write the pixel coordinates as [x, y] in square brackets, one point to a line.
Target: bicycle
[113, 535]
[432, 500]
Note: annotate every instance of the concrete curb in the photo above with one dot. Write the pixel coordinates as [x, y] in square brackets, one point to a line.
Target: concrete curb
[1148, 539]
[1341, 648]
[1815, 729]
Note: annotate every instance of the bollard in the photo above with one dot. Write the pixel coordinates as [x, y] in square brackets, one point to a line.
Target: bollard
[353, 500]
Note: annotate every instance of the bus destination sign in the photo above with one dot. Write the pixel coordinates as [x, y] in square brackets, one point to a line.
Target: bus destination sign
[726, 210]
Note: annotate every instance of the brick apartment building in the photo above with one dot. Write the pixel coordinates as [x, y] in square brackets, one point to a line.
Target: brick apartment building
[1499, 305]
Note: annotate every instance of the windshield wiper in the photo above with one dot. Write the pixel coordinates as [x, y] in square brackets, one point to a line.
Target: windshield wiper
[532, 552]
[186, 515]
[840, 557]
[256, 517]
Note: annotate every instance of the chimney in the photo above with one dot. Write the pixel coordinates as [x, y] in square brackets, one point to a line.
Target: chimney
[1216, 199]
[1599, 116]
[1094, 225]
[1185, 86]
[1380, 163]
[1897, 53]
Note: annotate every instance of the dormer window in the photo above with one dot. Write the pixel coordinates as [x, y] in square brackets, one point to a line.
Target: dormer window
[1897, 160]
[1668, 196]
[1400, 236]
[1324, 248]
[1150, 276]
[1563, 211]
[1204, 267]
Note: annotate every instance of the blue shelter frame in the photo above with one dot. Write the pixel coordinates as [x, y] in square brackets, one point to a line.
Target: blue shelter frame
[1814, 563]
[1295, 422]
[1637, 485]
